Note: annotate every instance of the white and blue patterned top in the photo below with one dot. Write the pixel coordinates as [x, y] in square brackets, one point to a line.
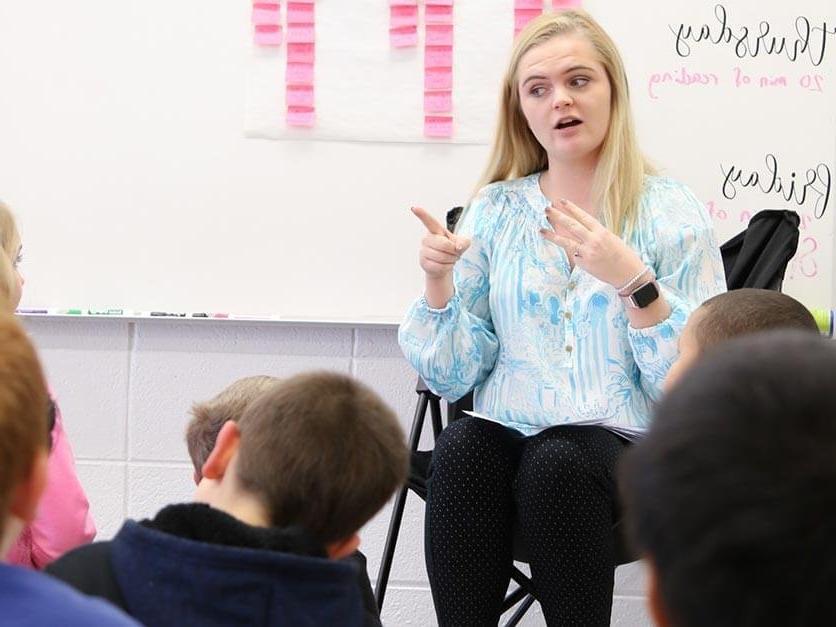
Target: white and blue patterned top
[544, 344]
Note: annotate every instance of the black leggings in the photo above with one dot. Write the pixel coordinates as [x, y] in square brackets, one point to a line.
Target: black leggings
[557, 489]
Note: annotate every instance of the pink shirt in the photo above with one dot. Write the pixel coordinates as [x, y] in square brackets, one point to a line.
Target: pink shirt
[63, 521]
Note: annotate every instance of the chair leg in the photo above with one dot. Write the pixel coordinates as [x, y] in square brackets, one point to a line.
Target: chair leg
[513, 598]
[521, 578]
[389, 548]
[435, 415]
[398, 507]
[522, 608]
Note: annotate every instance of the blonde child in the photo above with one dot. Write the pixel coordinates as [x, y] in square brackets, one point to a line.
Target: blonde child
[63, 519]
[26, 597]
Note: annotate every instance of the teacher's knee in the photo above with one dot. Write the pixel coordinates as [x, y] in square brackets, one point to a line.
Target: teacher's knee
[551, 465]
[470, 440]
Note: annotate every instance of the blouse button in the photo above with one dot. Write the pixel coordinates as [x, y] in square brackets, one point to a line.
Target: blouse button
[568, 315]
[568, 349]
[571, 285]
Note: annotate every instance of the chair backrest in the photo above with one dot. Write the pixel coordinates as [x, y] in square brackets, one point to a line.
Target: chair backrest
[758, 256]
[452, 217]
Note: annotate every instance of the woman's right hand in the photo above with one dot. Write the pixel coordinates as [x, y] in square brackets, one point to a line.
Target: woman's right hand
[439, 252]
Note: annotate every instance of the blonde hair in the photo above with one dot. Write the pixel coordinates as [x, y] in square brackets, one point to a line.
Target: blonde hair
[10, 244]
[23, 410]
[619, 175]
[209, 416]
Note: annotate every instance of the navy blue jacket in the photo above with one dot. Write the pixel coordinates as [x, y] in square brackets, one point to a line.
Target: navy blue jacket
[194, 565]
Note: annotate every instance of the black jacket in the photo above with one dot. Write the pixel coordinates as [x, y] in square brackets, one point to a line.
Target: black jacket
[194, 565]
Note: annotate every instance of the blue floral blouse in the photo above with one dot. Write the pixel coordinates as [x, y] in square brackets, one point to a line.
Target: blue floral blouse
[544, 344]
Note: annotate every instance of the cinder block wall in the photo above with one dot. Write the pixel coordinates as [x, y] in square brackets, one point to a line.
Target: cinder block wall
[125, 389]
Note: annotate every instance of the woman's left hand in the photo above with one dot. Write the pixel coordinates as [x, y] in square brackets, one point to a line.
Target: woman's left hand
[591, 245]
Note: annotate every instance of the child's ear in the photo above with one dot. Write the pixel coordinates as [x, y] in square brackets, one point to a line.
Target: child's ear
[27, 494]
[343, 548]
[226, 445]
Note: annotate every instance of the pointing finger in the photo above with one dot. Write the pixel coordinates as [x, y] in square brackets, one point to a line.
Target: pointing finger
[433, 226]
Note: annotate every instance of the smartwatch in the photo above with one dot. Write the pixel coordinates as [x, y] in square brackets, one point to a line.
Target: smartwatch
[642, 296]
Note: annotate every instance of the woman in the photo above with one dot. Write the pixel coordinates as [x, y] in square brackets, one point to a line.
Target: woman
[560, 299]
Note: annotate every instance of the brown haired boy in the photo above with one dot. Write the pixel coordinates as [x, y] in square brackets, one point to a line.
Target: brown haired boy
[202, 432]
[733, 314]
[28, 597]
[308, 463]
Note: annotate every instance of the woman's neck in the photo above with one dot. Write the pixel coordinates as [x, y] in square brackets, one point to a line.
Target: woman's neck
[570, 180]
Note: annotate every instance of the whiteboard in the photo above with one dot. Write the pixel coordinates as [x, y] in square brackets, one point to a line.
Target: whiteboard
[140, 148]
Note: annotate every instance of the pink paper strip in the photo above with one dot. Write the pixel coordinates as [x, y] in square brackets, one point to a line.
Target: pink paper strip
[403, 37]
[524, 16]
[299, 74]
[300, 33]
[300, 53]
[403, 16]
[565, 4]
[438, 56]
[265, 35]
[266, 14]
[438, 78]
[528, 4]
[435, 14]
[300, 13]
[299, 96]
[438, 101]
[301, 116]
[439, 35]
[440, 126]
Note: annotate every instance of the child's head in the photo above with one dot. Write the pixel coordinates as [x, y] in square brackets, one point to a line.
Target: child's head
[23, 429]
[731, 496]
[732, 314]
[11, 281]
[208, 417]
[320, 451]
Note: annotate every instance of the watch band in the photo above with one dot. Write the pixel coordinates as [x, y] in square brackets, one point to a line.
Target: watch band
[643, 295]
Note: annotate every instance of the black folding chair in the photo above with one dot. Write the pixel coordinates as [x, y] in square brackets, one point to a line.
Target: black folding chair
[417, 482]
[756, 257]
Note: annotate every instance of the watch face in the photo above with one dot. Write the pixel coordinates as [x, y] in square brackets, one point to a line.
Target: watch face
[645, 295]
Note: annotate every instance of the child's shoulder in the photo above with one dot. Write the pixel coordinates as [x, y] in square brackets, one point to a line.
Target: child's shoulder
[36, 598]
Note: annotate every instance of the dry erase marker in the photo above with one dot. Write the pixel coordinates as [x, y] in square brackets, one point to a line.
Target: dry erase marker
[200, 315]
[220, 315]
[71, 312]
[105, 312]
[32, 311]
[166, 314]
